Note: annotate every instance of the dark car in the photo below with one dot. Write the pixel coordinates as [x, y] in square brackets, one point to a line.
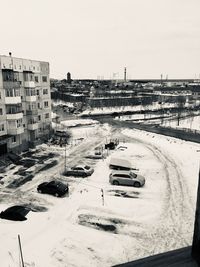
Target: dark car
[15, 213]
[79, 170]
[55, 188]
[110, 146]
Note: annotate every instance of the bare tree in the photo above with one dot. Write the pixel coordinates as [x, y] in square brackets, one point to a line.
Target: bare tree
[180, 107]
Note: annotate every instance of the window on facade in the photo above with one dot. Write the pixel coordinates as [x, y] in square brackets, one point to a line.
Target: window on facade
[2, 128]
[30, 92]
[14, 139]
[12, 92]
[46, 104]
[45, 91]
[19, 123]
[46, 115]
[44, 79]
[8, 75]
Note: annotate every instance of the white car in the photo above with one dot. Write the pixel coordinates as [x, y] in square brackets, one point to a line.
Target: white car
[126, 178]
[79, 170]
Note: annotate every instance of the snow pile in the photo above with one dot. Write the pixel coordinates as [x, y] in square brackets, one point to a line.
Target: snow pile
[79, 122]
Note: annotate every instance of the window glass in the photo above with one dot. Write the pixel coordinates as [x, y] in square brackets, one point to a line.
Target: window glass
[44, 79]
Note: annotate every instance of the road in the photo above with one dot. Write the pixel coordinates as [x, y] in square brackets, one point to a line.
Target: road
[171, 230]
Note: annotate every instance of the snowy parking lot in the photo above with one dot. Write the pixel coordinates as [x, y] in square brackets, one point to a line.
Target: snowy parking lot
[100, 224]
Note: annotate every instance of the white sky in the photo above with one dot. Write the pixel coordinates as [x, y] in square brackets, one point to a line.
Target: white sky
[91, 38]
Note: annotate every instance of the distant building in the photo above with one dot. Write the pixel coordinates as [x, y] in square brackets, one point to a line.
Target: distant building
[25, 103]
[69, 80]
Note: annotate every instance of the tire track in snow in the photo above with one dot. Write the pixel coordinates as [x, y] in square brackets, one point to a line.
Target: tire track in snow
[175, 220]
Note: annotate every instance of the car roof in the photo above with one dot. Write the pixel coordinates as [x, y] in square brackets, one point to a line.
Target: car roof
[22, 210]
[57, 183]
[80, 166]
[121, 172]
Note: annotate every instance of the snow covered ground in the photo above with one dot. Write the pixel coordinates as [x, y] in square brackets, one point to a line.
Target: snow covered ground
[108, 110]
[168, 120]
[101, 224]
[192, 123]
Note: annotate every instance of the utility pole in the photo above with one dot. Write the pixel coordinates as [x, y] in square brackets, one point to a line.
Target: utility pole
[65, 157]
[125, 74]
[20, 248]
[102, 196]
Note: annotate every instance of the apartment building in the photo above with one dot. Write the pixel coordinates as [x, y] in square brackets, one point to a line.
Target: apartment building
[25, 103]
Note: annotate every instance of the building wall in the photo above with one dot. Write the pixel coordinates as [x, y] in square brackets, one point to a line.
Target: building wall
[25, 101]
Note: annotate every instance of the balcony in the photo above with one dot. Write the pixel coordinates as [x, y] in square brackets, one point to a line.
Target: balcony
[14, 116]
[15, 131]
[2, 133]
[13, 100]
[11, 84]
[32, 126]
[32, 98]
[29, 84]
[32, 112]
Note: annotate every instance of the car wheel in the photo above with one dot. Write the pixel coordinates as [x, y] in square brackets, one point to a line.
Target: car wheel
[115, 182]
[136, 184]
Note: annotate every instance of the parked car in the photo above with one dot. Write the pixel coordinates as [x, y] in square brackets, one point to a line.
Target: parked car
[79, 170]
[110, 146]
[126, 178]
[95, 155]
[121, 164]
[15, 213]
[55, 188]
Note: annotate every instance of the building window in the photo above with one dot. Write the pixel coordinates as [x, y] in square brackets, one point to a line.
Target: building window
[1, 111]
[19, 123]
[2, 128]
[36, 79]
[46, 115]
[45, 91]
[44, 79]
[12, 92]
[46, 104]
[14, 139]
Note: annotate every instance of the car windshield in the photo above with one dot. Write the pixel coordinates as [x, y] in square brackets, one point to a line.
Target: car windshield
[87, 167]
[133, 175]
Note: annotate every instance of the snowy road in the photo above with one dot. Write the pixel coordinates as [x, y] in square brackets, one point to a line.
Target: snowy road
[152, 219]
